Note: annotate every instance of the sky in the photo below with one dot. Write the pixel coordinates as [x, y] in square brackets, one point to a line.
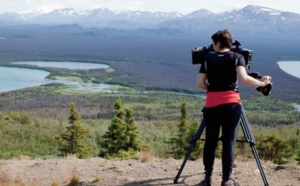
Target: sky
[181, 6]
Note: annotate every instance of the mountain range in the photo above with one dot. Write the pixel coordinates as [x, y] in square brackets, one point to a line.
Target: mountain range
[100, 18]
[256, 19]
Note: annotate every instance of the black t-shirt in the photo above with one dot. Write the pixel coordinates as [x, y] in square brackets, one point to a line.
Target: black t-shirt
[220, 68]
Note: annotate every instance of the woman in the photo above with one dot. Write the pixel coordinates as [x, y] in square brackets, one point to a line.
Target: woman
[222, 110]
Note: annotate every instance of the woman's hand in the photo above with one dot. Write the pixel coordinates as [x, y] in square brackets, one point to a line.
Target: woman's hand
[266, 80]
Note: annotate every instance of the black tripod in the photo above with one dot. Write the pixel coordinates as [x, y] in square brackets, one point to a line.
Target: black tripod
[249, 138]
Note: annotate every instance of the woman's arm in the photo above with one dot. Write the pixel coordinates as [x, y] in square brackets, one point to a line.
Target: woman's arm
[201, 81]
[248, 80]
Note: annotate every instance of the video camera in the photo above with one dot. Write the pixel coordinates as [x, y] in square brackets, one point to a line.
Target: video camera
[199, 53]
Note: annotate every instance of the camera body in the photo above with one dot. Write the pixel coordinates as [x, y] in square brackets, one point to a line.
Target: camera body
[199, 53]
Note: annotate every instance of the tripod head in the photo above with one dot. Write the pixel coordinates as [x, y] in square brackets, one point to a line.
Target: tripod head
[264, 90]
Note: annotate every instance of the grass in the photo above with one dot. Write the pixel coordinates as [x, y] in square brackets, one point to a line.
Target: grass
[110, 70]
[145, 154]
[55, 183]
[74, 180]
[69, 78]
[96, 180]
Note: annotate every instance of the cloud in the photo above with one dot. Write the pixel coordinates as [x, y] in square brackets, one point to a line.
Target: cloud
[44, 7]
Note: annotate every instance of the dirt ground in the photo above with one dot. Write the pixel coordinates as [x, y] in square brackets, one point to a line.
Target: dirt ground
[102, 172]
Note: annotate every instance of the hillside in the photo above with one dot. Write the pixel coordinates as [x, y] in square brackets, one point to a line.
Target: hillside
[134, 172]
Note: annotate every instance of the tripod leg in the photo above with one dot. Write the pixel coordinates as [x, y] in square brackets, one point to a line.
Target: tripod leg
[193, 143]
[250, 139]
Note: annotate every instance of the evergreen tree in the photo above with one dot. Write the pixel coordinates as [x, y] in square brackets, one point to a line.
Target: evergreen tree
[298, 157]
[180, 140]
[197, 151]
[74, 139]
[121, 138]
[132, 132]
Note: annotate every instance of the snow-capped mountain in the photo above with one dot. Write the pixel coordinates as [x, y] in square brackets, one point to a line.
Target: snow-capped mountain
[249, 18]
[100, 18]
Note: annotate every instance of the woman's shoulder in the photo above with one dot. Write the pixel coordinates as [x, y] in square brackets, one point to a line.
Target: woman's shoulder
[233, 54]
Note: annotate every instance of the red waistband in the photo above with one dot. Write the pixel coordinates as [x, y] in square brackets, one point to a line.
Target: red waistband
[218, 98]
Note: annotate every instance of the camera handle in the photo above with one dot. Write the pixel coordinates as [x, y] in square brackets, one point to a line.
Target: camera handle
[264, 90]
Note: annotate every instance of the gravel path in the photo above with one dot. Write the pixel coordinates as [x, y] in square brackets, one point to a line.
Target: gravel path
[98, 171]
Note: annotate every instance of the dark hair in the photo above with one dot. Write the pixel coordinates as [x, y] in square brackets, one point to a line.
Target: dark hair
[224, 37]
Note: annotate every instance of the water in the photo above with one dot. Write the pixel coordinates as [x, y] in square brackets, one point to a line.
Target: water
[297, 107]
[290, 67]
[18, 78]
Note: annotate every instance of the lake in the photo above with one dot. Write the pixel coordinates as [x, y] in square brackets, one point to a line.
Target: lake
[18, 78]
[290, 67]
[13, 78]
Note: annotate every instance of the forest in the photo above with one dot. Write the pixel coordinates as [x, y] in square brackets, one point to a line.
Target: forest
[154, 76]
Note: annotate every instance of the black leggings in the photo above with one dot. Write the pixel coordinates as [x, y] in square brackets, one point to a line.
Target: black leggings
[227, 116]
